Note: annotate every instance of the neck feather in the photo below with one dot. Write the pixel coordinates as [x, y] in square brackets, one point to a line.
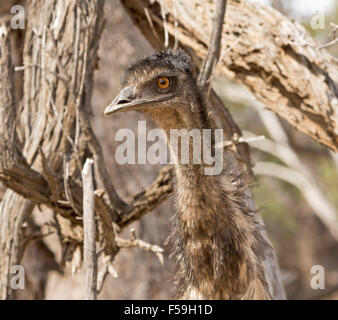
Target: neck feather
[216, 238]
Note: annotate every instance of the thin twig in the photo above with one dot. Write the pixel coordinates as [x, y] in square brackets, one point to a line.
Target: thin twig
[166, 35]
[76, 49]
[134, 242]
[214, 46]
[175, 25]
[33, 65]
[333, 35]
[236, 139]
[328, 44]
[146, 11]
[77, 259]
[107, 268]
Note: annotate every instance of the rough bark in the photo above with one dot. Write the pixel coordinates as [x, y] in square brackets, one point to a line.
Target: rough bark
[13, 208]
[280, 63]
[43, 162]
[60, 38]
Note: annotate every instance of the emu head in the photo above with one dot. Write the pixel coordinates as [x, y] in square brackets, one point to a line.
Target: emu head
[161, 85]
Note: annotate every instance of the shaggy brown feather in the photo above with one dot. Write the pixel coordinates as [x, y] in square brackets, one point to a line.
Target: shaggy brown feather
[216, 237]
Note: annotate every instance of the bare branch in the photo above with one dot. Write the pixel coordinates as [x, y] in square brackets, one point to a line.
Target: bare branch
[77, 259]
[150, 198]
[236, 139]
[134, 242]
[333, 33]
[166, 34]
[21, 68]
[107, 268]
[89, 226]
[214, 46]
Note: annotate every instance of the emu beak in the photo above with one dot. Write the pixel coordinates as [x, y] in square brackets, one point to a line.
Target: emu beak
[126, 101]
[122, 101]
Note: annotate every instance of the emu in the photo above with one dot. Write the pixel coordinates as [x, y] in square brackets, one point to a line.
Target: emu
[215, 236]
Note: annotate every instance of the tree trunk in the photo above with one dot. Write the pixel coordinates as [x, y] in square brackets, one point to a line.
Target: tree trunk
[59, 59]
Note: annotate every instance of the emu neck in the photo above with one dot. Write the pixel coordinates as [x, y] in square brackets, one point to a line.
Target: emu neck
[215, 237]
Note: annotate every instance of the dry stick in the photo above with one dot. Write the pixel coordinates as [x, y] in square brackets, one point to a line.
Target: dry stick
[76, 56]
[107, 268]
[150, 198]
[89, 228]
[133, 242]
[146, 11]
[166, 35]
[33, 65]
[236, 139]
[175, 25]
[77, 259]
[333, 34]
[214, 46]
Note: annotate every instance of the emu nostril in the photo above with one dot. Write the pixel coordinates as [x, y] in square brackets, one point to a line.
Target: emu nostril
[122, 101]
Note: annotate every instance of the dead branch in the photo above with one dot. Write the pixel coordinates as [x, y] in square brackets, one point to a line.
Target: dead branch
[77, 259]
[89, 228]
[133, 242]
[107, 268]
[150, 198]
[215, 44]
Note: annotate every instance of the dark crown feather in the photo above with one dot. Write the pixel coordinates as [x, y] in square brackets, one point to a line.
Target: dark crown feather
[172, 59]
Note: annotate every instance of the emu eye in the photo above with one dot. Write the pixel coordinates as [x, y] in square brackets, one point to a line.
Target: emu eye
[163, 82]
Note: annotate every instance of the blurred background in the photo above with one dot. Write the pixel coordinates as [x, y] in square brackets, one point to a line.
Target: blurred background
[296, 183]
